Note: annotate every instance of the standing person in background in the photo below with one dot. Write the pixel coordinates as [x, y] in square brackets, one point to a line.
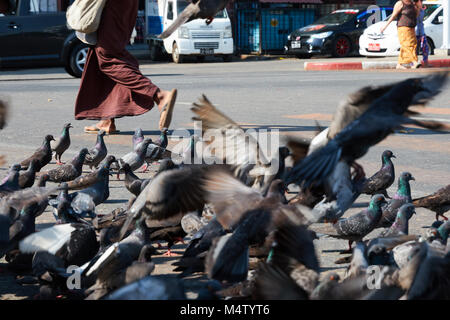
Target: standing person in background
[422, 42]
[406, 11]
[112, 85]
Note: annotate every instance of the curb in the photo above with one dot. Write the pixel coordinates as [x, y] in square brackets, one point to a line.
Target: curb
[366, 65]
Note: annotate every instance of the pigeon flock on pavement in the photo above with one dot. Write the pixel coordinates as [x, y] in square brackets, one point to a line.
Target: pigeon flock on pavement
[251, 231]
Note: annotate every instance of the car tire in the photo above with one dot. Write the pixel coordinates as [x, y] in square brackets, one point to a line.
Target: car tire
[431, 46]
[176, 56]
[77, 60]
[341, 47]
[227, 57]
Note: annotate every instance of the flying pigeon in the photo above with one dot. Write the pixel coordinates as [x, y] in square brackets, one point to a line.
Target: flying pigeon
[375, 124]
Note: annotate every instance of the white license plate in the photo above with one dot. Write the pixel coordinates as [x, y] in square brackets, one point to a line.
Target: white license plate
[374, 47]
[207, 51]
[296, 44]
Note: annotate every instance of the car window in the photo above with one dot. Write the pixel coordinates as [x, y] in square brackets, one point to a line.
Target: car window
[46, 6]
[337, 17]
[436, 19]
[429, 9]
[182, 4]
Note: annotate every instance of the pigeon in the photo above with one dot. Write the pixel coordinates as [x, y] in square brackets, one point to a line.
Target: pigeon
[98, 153]
[193, 257]
[375, 124]
[62, 144]
[136, 158]
[22, 227]
[400, 225]
[292, 271]
[156, 150]
[138, 269]
[69, 171]
[27, 178]
[169, 230]
[11, 182]
[200, 9]
[402, 196]
[132, 182]
[170, 193]
[439, 202]
[382, 179]
[43, 155]
[151, 288]
[231, 145]
[357, 226]
[90, 179]
[75, 243]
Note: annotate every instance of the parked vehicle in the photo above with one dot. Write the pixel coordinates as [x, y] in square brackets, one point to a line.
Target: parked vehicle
[372, 43]
[336, 33]
[34, 32]
[194, 38]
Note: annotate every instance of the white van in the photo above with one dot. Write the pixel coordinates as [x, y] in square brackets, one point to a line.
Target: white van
[192, 38]
[372, 43]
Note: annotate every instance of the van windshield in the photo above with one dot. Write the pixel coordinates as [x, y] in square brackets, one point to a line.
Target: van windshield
[182, 4]
[429, 9]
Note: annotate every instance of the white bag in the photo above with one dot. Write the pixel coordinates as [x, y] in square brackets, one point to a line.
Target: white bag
[84, 15]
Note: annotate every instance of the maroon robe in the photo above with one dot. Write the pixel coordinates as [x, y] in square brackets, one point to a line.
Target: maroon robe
[112, 85]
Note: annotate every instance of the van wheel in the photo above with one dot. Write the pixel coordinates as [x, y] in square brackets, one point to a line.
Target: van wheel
[77, 60]
[227, 57]
[430, 46]
[176, 56]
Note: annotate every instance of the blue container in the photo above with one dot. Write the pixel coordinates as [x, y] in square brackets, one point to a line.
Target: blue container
[277, 23]
[247, 31]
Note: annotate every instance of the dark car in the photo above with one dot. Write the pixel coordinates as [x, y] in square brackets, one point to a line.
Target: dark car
[34, 32]
[336, 33]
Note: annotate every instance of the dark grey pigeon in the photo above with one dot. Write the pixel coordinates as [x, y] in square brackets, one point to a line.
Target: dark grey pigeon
[11, 182]
[43, 155]
[69, 171]
[63, 143]
[98, 153]
[357, 226]
[136, 158]
[199, 9]
[91, 178]
[402, 196]
[374, 125]
[382, 179]
[132, 181]
[400, 225]
[27, 178]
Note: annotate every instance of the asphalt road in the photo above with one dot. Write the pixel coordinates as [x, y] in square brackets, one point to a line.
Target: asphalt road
[271, 94]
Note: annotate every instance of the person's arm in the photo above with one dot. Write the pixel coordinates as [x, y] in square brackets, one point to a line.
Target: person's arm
[418, 6]
[397, 8]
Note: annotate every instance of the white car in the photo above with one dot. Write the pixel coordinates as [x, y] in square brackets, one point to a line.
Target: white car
[374, 44]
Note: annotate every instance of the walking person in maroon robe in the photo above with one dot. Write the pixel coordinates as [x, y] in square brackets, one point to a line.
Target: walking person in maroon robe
[112, 85]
